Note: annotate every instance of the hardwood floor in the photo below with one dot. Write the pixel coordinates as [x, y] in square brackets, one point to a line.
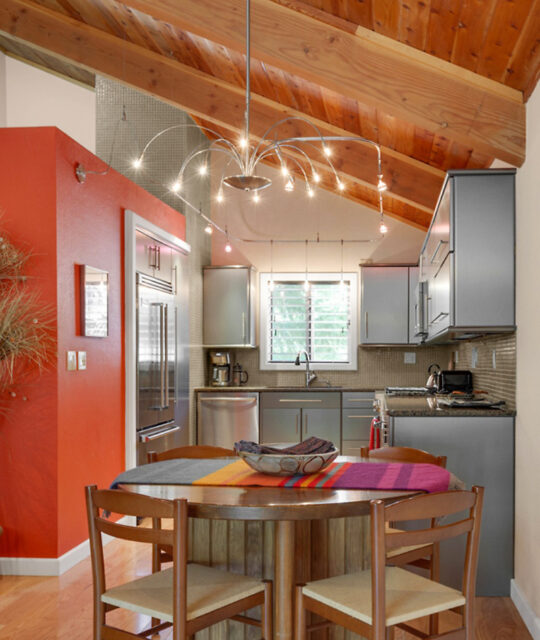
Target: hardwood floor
[60, 608]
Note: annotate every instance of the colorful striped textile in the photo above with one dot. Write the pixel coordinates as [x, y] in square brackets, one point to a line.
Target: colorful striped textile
[388, 476]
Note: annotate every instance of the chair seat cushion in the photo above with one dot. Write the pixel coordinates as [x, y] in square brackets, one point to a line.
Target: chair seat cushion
[408, 596]
[396, 552]
[208, 589]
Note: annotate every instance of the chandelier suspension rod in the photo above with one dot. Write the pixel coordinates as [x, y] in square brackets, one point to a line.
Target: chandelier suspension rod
[248, 81]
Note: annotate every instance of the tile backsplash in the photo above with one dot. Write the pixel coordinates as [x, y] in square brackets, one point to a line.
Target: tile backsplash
[379, 367]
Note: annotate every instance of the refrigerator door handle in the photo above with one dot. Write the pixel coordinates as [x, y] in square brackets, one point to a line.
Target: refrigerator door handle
[159, 434]
[166, 351]
[161, 359]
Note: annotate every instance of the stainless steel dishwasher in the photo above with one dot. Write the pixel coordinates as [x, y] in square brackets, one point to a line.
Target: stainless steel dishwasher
[224, 418]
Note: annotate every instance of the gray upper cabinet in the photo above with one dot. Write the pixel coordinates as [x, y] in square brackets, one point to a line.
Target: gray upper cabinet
[468, 257]
[153, 258]
[385, 305]
[229, 304]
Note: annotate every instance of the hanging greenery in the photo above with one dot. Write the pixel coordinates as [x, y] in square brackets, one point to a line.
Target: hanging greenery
[26, 326]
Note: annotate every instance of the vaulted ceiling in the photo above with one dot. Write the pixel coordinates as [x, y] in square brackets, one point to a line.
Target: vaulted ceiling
[439, 84]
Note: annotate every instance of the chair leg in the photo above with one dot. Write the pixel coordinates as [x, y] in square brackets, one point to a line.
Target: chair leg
[267, 611]
[434, 574]
[390, 633]
[299, 615]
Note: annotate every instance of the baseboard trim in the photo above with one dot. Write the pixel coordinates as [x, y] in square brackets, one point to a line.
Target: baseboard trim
[51, 566]
[531, 620]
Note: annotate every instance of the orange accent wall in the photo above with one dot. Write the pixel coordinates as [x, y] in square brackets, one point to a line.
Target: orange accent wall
[70, 430]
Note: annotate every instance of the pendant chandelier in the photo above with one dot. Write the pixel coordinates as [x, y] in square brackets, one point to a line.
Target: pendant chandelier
[294, 155]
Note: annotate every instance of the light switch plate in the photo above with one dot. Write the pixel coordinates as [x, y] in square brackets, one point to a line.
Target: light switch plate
[409, 357]
[474, 357]
[456, 356]
[71, 361]
[494, 358]
[81, 359]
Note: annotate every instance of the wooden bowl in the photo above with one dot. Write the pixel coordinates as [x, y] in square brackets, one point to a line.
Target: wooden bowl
[286, 464]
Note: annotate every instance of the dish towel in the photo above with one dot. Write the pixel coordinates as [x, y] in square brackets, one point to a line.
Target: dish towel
[309, 446]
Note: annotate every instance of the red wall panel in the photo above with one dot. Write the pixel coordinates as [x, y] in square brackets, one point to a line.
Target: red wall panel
[87, 415]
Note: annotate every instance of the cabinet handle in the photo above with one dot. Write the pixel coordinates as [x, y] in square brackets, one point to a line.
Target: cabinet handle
[305, 423]
[243, 327]
[152, 262]
[360, 399]
[296, 423]
[437, 249]
[297, 400]
[442, 313]
[366, 323]
[368, 416]
[158, 257]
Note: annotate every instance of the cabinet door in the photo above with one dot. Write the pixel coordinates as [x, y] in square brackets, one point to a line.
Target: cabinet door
[385, 305]
[225, 307]
[322, 423]
[439, 299]
[415, 308]
[280, 425]
[164, 262]
[145, 253]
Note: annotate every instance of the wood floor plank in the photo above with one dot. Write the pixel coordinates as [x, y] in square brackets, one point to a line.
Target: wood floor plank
[60, 608]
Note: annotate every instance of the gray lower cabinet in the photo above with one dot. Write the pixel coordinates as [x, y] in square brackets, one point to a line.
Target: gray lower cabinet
[356, 416]
[296, 416]
[480, 451]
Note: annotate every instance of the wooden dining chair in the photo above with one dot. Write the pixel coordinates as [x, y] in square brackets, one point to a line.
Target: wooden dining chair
[192, 451]
[188, 597]
[371, 602]
[403, 454]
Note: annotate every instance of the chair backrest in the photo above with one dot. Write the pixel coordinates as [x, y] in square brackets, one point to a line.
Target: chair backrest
[424, 507]
[194, 451]
[403, 454]
[119, 502]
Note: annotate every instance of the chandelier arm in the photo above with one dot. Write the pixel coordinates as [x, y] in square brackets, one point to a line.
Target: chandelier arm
[285, 143]
[176, 126]
[277, 149]
[198, 152]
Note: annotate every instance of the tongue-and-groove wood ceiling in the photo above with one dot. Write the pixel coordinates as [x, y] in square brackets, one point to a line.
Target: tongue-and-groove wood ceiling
[439, 84]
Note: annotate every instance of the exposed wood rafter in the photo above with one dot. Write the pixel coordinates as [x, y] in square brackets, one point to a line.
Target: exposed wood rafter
[221, 103]
[367, 67]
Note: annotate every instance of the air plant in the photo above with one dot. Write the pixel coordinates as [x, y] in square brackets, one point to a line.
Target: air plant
[26, 336]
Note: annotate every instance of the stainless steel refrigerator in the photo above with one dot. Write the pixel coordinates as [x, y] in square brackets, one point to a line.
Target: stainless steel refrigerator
[162, 361]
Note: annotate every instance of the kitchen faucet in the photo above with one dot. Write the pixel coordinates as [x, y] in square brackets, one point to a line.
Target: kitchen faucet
[310, 375]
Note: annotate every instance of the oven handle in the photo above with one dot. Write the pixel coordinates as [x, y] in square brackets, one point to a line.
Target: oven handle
[159, 434]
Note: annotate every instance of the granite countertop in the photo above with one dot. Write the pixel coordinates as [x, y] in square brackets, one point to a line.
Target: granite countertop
[284, 388]
[427, 407]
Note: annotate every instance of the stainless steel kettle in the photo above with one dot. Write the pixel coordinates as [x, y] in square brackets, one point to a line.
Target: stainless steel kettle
[434, 377]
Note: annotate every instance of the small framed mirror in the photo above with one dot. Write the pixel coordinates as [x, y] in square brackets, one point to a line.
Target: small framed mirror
[94, 302]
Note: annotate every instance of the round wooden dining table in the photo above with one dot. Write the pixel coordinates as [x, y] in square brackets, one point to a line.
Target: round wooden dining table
[283, 506]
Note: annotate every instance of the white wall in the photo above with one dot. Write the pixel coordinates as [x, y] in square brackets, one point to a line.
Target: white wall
[527, 533]
[36, 98]
[281, 215]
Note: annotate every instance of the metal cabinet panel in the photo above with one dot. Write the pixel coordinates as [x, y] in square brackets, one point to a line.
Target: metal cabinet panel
[356, 398]
[299, 399]
[414, 274]
[280, 425]
[439, 298]
[152, 257]
[355, 424]
[321, 423]
[228, 307]
[484, 237]
[385, 305]
[479, 451]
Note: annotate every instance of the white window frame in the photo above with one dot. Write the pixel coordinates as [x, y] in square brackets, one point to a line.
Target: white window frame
[264, 318]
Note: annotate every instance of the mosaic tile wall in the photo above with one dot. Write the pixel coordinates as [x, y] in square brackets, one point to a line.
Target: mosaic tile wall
[499, 381]
[119, 141]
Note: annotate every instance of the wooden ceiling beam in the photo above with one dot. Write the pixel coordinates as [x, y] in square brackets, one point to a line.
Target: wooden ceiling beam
[367, 67]
[219, 102]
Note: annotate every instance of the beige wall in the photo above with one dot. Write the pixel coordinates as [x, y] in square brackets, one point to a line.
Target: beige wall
[527, 554]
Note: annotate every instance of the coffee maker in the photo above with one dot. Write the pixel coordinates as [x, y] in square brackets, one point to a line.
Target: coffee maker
[219, 368]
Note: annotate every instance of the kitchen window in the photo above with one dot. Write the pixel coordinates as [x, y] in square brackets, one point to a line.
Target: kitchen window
[320, 319]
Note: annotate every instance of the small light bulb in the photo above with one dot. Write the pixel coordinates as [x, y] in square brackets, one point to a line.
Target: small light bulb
[310, 192]
[256, 197]
[219, 196]
[208, 229]
[137, 163]
[176, 187]
[340, 185]
[327, 151]
[383, 228]
[228, 248]
[284, 170]
[203, 170]
[289, 185]
[316, 177]
[242, 143]
[381, 185]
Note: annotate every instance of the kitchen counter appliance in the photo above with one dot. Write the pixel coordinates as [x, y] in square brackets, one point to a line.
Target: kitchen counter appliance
[220, 368]
[225, 418]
